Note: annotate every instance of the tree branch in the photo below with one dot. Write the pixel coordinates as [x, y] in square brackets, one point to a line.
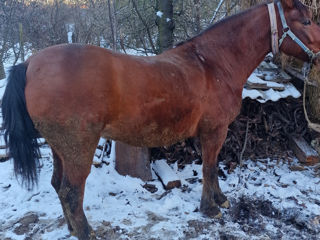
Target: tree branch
[145, 25]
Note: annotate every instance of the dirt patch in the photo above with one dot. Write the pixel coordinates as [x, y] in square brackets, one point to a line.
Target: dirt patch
[196, 228]
[26, 223]
[260, 217]
[107, 231]
[249, 213]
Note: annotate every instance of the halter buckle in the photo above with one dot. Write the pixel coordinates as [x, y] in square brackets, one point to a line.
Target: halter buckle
[285, 30]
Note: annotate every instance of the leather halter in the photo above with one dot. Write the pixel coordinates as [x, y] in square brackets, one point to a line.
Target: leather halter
[274, 28]
[286, 32]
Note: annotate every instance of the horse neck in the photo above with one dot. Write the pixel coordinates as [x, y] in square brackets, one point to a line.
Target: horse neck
[233, 48]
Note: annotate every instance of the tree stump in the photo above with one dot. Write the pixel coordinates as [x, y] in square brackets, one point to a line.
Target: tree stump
[133, 161]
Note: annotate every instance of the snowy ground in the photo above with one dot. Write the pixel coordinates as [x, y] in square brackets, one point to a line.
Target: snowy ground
[274, 202]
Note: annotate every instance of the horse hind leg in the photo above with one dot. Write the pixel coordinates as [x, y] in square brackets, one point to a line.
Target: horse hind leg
[57, 171]
[57, 179]
[73, 153]
[71, 195]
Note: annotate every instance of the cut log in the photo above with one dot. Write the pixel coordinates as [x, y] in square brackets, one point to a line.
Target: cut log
[303, 151]
[166, 175]
[263, 86]
[133, 161]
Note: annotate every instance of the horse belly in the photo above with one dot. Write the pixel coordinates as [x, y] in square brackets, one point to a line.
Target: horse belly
[149, 136]
[159, 131]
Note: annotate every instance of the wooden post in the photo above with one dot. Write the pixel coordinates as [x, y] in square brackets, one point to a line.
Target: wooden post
[133, 161]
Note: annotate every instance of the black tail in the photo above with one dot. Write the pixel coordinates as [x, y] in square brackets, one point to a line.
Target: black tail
[20, 135]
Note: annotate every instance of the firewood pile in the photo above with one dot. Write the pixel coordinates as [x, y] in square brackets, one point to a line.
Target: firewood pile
[269, 126]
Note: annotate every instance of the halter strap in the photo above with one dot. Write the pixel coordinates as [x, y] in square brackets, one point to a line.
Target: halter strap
[287, 32]
[274, 28]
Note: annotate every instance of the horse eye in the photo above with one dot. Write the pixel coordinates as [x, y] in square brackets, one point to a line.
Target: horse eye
[306, 22]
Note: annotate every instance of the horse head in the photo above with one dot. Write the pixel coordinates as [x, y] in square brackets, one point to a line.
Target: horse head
[299, 34]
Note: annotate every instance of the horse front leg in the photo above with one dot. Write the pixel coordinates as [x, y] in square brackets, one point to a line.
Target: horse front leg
[212, 196]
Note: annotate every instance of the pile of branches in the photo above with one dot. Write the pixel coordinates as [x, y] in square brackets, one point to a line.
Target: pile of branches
[266, 126]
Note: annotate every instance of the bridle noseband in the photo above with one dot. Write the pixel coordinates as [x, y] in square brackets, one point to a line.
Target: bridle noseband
[286, 32]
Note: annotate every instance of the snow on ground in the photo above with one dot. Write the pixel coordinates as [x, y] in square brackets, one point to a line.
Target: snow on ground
[271, 202]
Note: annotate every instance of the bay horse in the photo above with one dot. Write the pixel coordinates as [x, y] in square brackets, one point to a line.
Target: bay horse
[73, 94]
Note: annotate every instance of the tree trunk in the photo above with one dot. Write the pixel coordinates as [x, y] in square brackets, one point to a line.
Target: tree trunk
[149, 35]
[197, 16]
[113, 24]
[21, 43]
[2, 72]
[165, 24]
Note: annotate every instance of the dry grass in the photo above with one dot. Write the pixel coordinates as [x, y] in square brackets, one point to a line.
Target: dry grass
[313, 97]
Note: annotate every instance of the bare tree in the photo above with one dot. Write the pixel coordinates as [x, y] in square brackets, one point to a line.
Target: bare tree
[149, 26]
[8, 14]
[146, 26]
[21, 42]
[45, 24]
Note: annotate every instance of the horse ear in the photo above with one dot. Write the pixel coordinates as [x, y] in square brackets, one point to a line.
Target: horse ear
[287, 3]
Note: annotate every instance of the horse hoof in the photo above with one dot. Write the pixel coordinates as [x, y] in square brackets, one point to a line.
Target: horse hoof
[213, 212]
[218, 216]
[226, 204]
[92, 235]
[73, 233]
[215, 215]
